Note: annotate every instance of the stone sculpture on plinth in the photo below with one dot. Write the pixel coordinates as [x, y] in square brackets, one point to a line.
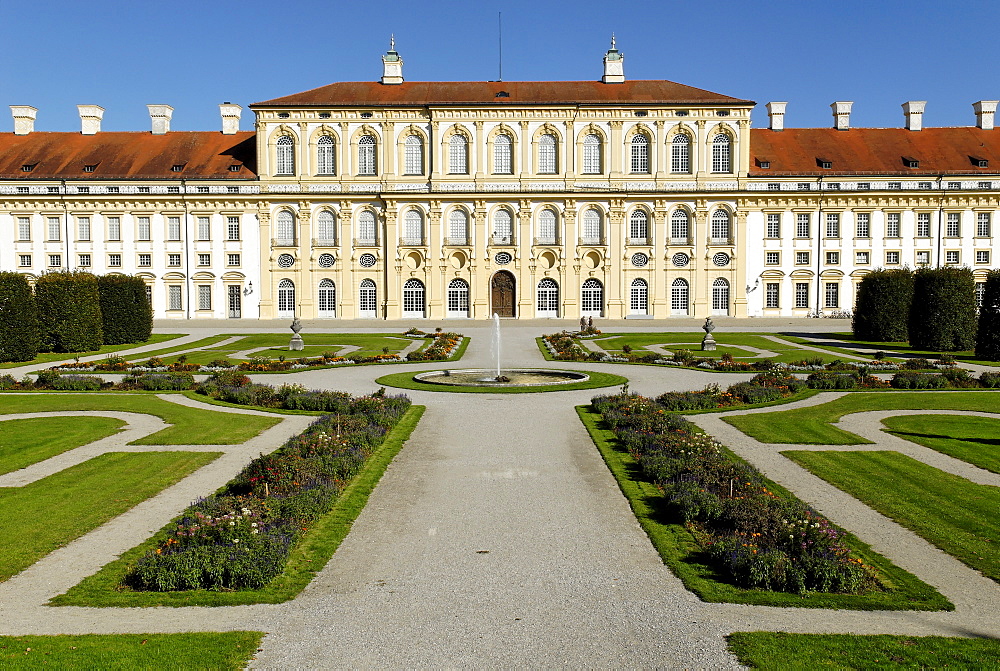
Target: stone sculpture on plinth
[296, 345]
[708, 342]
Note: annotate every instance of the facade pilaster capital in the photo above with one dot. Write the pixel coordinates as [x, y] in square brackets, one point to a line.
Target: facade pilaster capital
[615, 124]
[344, 126]
[388, 126]
[523, 124]
[700, 123]
[660, 123]
[478, 125]
[302, 127]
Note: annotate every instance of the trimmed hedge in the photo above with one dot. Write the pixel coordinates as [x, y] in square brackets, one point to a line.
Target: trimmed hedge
[127, 316]
[69, 307]
[988, 335]
[882, 306]
[943, 312]
[20, 334]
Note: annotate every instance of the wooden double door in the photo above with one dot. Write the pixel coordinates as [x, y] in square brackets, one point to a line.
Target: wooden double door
[503, 294]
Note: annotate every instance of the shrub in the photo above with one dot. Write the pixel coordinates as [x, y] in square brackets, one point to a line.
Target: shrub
[917, 363]
[826, 380]
[958, 377]
[989, 380]
[988, 333]
[749, 393]
[77, 383]
[70, 311]
[913, 380]
[164, 381]
[7, 382]
[20, 334]
[678, 401]
[127, 316]
[882, 306]
[943, 312]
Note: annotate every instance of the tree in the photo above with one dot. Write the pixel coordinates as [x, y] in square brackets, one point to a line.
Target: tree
[943, 312]
[20, 338]
[988, 335]
[69, 308]
[882, 307]
[126, 314]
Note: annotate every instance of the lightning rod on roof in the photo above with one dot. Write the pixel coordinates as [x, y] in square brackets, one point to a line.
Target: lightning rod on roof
[500, 44]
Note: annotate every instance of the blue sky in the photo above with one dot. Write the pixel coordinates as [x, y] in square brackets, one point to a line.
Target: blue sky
[194, 55]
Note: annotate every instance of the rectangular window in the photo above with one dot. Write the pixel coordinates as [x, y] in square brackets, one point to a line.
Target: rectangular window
[114, 189]
[202, 189]
[24, 260]
[954, 185]
[891, 258]
[83, 228]
[53, 189]
[145, 260]
[951, 257]
[983, 225]
[233, 228]
[833, 186]
[772, 258]
[83, 189]
[892, 225]
[142, 230]
[894, 186]
[204, 228]
[923, 224]
[232, 259]
[204, 259]
[204, 297]
[833, 225]
[23, 189]
[802, 258]
[55, 260]
[173, 228]
[953, 226]
[832, 258]
[925, 185]
[84, 261]
[174, 260]
[982, 256]
[832, 294]
[801, 294]
[114, 228]
[174, 298]
[984, 185]
[803, 186]
[773, 186]
[864, 186]
[923, 258]
[802, 225]
[862, 258]
[24, 228]
[773, 226]
[173, 189]
[54, 225]
[114, 260]
[862, 225]
[771, 296]
[143, 189]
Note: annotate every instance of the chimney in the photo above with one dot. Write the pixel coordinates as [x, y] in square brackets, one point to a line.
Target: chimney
[914, 112]
[160, 115]
[230, 118]
[24, 119]
[776, 113]
[392, 64]
[90, 119]
[614, 65]
[842, 114]
[985, 110]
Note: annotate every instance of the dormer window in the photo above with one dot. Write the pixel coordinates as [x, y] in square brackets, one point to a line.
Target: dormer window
[177, 167]
[283, 115]
[90, 168]
[28, 167]
[235, 168]
[826, 164]
[911, 162]
[763, 164]
[366, 115]
[502, 94]
[979, 162]
[641, 113]
[682, 113]
[722, 113]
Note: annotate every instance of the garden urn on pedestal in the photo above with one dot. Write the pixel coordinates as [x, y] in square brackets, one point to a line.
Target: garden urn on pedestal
[708, 342]
[296, 345]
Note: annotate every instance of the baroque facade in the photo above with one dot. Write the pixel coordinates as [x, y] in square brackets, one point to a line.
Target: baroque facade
[395, 199]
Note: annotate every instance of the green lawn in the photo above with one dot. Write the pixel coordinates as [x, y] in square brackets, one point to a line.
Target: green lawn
[680, 551]
[975, 440]
[780, 651]
[850, 346]
[54, 357]
[276, 345]
[191, 426]
[226, 650]
[104, 588]
[727, 343]
[406, 381]
[49, 513]
[812, 425]
[24, 442]
[956, 515]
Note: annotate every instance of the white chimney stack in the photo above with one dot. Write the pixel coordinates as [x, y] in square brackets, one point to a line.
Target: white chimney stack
[776, 113]
[90, 119]
[392, 64]
[985, 111]
[914, 112]
[24, 118]
[614, 65]
[842, 114]
[230, 118]
[160, 116]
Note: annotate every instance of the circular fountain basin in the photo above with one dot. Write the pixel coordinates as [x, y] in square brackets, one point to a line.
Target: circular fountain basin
[515, 377]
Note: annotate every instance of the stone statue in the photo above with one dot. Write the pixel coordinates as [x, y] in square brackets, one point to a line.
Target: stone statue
[708, 342]
[296, 344]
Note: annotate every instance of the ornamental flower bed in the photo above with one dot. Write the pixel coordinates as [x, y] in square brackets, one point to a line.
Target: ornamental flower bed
[240, 538]
[760, 538]
[442, 347]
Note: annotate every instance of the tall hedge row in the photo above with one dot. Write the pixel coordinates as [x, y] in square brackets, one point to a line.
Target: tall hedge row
[882, 306]
[20, 337]
[943, 311]
[126, 313]
[988, 336]
[69, 307]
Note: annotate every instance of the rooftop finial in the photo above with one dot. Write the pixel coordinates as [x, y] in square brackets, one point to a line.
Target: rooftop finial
[612, 41]
[392, 42]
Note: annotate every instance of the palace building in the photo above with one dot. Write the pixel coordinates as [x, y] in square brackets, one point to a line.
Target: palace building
[393, 199]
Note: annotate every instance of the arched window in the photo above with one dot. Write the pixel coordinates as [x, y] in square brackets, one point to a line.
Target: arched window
[285, 163]
[638, 297]
[680, 227]
[640, 153]
[286, 298]
[458, 227]
[326, 227]
[592, 298]
[366, 155]
[458, 298]
[720, 297]
[548, 298]
[413, 298]
[458, 155]
[547, 154]
[366, 228]
[367, 305]
[679, 297]
[638, 227]
[284, 229]
[502, 163]
[413, 228]
[591, 231]
[721, 230]
[680, 153]
[547, 227]
[326, 162]
[503, 230]
[326, 302]
[721, 153]
[413, 155]
[592, 155]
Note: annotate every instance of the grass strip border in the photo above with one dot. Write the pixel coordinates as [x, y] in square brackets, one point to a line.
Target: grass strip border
[406, 381]
[678, 549]
[103, 589]
[63, 357]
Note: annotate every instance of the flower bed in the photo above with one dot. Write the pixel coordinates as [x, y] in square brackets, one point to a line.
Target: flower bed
[240, 537]
[760, 538]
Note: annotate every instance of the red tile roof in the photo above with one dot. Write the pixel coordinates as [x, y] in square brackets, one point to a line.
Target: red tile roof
[651, 92]
[118, 155]
[795, 151]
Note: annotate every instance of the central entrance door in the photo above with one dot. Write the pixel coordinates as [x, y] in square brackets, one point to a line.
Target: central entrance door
[502, 294]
